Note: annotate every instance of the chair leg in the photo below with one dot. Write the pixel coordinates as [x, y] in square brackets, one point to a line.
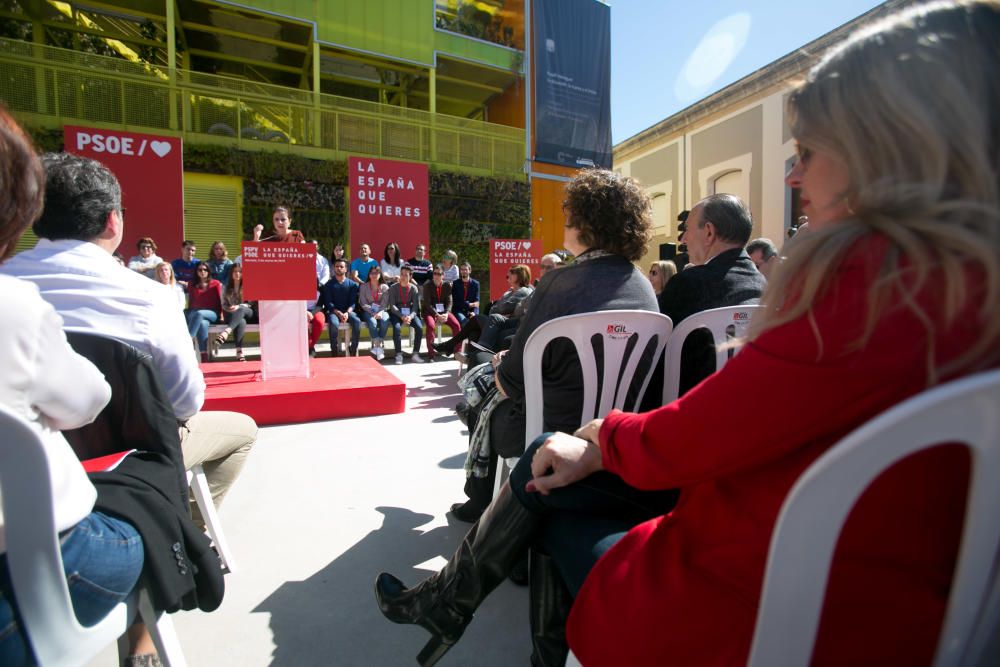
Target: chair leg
[202, 495]
[161, 628]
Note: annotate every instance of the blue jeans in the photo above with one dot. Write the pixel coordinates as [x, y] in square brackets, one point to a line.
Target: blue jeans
[586, 518]
[198, 321]
[418, 331]
[102, 558]
[377, 328]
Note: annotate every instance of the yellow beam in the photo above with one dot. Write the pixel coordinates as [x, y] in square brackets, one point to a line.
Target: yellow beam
[245, 61]
[200, 27]
[471, 84]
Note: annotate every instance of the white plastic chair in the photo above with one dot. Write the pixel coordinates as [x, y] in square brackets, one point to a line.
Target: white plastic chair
[965, 411]
[723, 323]
[36, 568]
[210, 515]
[615, 329]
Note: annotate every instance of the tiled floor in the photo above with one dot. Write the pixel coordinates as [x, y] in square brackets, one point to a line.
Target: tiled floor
[318, 511]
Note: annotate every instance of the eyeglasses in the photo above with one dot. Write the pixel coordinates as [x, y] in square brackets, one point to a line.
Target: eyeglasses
[144, 246]
[438, 273]
[548, 266]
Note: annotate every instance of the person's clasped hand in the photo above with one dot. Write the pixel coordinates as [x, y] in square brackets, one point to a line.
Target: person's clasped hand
[563, 459]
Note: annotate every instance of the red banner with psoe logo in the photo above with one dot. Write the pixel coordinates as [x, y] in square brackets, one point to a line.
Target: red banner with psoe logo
[279, 271]
[505, 253]
[150, 170]
[388, 204]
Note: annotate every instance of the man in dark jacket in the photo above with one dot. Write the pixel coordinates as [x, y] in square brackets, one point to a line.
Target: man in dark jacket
[723, 275]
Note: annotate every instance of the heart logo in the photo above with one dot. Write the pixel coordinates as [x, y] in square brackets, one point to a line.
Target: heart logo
[161, 148]
[526, 245]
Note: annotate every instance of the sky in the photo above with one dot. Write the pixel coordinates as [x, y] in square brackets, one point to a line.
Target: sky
[668, 54]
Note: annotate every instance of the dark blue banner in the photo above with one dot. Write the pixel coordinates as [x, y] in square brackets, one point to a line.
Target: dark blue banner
[572, 59]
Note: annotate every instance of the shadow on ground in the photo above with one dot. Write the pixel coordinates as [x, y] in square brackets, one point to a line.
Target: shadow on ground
[331, 618]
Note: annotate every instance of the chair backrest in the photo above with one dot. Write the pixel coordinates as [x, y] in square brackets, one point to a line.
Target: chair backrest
[620, 331]
[139, 415]
[964, 411]
[34, 558]
[723, 323]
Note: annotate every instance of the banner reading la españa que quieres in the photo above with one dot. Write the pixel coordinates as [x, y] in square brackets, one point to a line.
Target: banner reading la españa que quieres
[388, 204]
[505, 253]
[150, 170]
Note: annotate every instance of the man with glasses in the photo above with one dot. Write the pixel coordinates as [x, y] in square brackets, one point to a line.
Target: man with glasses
[420, 266]
[548, 262]
[185, 265]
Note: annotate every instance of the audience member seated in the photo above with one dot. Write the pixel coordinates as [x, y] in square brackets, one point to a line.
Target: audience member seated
[237, 312]
[390, 264]
[281, 221]
[465, 294]
[372, 299]
[337, 299]
[165, 276]
[436, 304]
[420, 265]
[660, 273]
[519, 282]
[764, 255]
[893, 290]
[360, 266]
[204, 306]
[449, 266]
[73, 268]
[720, 274]
[607, 229]
[219, 263]
[500, 329]
[322, 266]
[147, 260]
[185, 265]
[102, 555]
[403, 303]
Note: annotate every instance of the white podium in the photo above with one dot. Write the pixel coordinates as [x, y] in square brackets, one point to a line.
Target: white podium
[284, 349]
[281, 277]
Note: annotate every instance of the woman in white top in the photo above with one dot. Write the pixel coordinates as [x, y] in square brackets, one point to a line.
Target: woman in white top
[165, 275]
[371, 296]
[54, 388]
[390, 264]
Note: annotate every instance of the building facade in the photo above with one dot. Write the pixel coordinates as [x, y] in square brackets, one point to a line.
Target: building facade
[735, 141]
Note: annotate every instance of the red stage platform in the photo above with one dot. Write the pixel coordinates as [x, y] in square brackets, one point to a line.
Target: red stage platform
[339, 387]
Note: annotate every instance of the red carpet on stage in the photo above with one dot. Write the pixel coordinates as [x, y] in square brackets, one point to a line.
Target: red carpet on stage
[339, 387]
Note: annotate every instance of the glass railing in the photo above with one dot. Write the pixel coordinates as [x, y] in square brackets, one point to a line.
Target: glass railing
[482, 19]
[51, 86]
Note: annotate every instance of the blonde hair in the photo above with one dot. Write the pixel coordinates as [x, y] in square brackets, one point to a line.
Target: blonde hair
[910, 107]
[173, 278]
[667, 270]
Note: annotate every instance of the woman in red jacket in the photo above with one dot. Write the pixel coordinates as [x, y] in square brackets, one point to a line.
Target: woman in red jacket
[896, 288]
[204, 306]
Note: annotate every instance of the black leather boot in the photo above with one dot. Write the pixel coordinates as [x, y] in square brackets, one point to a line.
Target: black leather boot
[444, 603]
[550, 605]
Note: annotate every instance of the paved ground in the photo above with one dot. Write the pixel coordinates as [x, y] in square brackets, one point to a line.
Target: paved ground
[319, 510]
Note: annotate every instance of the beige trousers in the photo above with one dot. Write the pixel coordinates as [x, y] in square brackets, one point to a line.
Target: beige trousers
[220, 442]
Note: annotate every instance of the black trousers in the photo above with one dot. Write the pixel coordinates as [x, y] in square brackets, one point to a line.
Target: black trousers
[583, 520]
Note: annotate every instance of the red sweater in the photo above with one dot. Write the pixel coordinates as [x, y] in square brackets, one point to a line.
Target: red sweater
[209, 298]
[683, 589]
